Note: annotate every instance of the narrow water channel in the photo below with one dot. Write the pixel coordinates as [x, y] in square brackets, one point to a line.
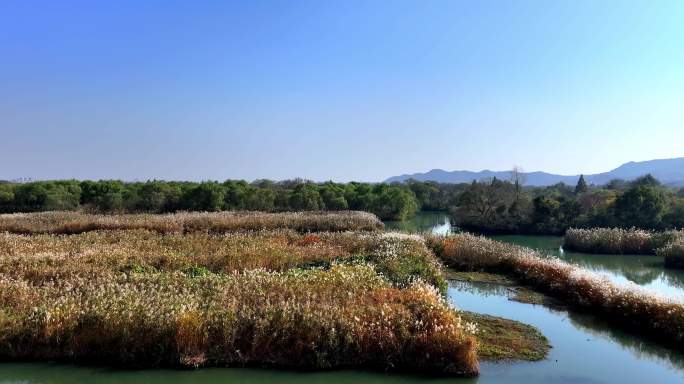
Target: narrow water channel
[585, 349]
[647, 271]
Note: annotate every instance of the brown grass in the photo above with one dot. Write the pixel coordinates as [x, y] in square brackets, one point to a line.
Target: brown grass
[52, 257]
[673, 254]
[630, 306]
[347, 316]
[201, 297]
[219, 222]
[618, 240]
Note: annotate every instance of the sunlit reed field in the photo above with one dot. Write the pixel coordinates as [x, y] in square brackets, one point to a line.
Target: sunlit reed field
[186, 290]
[619, 241]
[218, 222]
[627, 305]
[38, 258]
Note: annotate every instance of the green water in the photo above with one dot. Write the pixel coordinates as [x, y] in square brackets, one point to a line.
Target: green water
[585, 349]
[435, 222]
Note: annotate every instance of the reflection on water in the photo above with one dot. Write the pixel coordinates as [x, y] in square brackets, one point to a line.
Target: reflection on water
[434, 222]
[32, 373]
[645, 270]
[585, 349]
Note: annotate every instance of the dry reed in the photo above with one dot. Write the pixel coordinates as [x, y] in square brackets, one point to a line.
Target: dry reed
[218, 222]
[628, 305]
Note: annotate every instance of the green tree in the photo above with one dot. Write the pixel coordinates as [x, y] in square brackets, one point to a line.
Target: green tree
[582, 186]
[647, 181]
[393, 202]
[333, 196]
[259, 199]
[640, 206]
[205, 196]
[6, 197]
[305, 197]
[153, 196]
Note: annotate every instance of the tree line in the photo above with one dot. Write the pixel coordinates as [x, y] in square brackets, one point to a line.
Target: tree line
[494, 206]
[389, 202]
[502, 206]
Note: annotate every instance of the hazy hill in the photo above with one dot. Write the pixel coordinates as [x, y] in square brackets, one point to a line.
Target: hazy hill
[668, 171]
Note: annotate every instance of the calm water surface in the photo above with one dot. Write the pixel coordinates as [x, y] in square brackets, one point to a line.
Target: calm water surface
[435, 222]
[645, 270]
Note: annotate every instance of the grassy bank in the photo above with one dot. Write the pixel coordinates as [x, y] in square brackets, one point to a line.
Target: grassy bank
[618, 240]
[504, 339]
[628, 306]
[219, 222]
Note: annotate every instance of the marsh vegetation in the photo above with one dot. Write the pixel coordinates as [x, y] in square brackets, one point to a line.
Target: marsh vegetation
[631, 307]
[288, 290]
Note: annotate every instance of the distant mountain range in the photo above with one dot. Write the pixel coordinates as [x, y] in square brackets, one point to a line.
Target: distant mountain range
[668, 171]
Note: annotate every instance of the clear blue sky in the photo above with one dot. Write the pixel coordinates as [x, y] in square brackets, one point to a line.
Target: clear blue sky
[338, 90]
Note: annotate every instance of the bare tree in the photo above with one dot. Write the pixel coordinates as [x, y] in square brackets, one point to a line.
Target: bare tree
[518, 179]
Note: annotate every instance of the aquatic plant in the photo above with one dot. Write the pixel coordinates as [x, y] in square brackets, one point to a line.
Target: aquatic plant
[277, 298]
[625, 304]
[609, 240]
[401, 258]
[216, 222]
[673, 254]
[619, 241]
[345, 316]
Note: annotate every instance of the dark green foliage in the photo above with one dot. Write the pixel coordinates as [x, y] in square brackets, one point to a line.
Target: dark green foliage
[387, 201]
[641, 206]
[646, 181]
[333, 196]
[581, 185]
[104, 195]
[493, 207]
[393, 202]
[674, 218]
[206, 196]
[617, 184]
[305, 197]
